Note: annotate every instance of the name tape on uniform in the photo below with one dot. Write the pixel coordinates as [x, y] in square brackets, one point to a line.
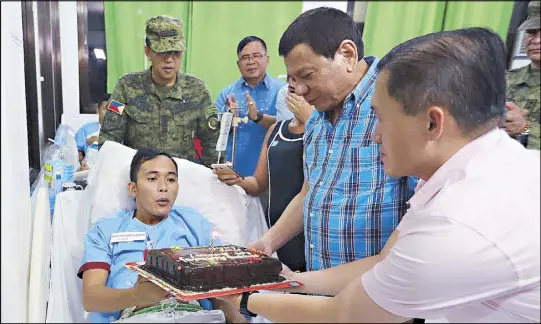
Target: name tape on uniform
[128, 237]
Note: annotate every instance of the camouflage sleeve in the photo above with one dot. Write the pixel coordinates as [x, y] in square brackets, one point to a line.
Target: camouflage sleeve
[114, 124]
[508, 75]
[208, 129]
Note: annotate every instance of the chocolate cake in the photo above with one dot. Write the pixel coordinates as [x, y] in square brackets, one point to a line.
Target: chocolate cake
[204, 268]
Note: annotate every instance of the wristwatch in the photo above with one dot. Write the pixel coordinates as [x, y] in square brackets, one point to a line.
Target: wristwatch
[244, 304]
[259, 117]
[523, 135]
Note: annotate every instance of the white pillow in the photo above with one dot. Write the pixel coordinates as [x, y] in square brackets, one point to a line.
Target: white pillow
[225, 206]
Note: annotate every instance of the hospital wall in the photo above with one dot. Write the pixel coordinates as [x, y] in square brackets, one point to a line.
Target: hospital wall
[16, 215]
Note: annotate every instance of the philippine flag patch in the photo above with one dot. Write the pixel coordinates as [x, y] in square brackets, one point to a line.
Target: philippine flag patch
[116, 106]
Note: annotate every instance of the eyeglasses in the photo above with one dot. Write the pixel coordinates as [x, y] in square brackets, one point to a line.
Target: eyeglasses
[255, 57]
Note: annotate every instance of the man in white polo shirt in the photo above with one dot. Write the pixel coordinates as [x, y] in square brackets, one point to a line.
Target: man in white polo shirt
[468, 247]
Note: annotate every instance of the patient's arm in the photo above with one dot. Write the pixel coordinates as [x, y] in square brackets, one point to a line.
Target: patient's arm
[99, 298]
[232, 314]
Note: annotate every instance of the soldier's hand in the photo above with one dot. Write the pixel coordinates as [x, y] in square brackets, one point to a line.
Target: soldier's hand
[231, 102]
[250, 104]
[231, 311]
[512, 107]
[515, 120]
[147, 293]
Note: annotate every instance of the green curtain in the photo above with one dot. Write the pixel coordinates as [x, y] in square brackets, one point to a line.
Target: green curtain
[389, 23]
[495, 15]
[125, 33]
[217, 28]
[213, 30]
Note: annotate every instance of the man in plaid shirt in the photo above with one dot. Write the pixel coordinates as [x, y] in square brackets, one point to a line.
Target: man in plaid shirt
[347, 205]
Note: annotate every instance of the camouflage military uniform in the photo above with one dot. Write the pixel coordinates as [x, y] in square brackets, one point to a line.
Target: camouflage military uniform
[523, 86]
[167, 125]
[144, 114]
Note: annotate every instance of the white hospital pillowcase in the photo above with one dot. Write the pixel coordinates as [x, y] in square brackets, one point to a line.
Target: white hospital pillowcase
[225, 206]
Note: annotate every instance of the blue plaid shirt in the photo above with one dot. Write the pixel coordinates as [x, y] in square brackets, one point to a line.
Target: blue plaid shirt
[351, 207]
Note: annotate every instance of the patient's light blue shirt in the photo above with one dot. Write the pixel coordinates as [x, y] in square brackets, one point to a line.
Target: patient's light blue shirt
[183, 227]
[83, 133]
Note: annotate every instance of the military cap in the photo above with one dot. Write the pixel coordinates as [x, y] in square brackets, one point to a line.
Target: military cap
[532, 22]
[165, 34]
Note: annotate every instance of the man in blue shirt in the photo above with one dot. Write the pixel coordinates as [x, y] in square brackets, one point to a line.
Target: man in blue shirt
[108, 286]
[255, 92]
[89, 132]
[347, 206]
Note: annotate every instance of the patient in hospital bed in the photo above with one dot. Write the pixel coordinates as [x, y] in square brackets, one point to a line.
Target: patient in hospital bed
[110, 288]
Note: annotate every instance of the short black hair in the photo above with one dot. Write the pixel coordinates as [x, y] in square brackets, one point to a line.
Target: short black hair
[147, 42]
[143, 155]
[461, 70]
[323, 29]
[248, 39]
[105, 98]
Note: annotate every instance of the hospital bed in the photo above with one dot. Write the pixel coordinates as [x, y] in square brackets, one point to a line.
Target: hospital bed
[238, 217]
[55, 292]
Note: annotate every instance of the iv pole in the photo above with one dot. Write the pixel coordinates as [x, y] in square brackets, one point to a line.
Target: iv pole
[235, 124]
[229, 120]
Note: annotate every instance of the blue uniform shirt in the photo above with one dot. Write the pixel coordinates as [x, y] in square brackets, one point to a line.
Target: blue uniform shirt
[183, 227]
[250, 136]
[83, 133]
